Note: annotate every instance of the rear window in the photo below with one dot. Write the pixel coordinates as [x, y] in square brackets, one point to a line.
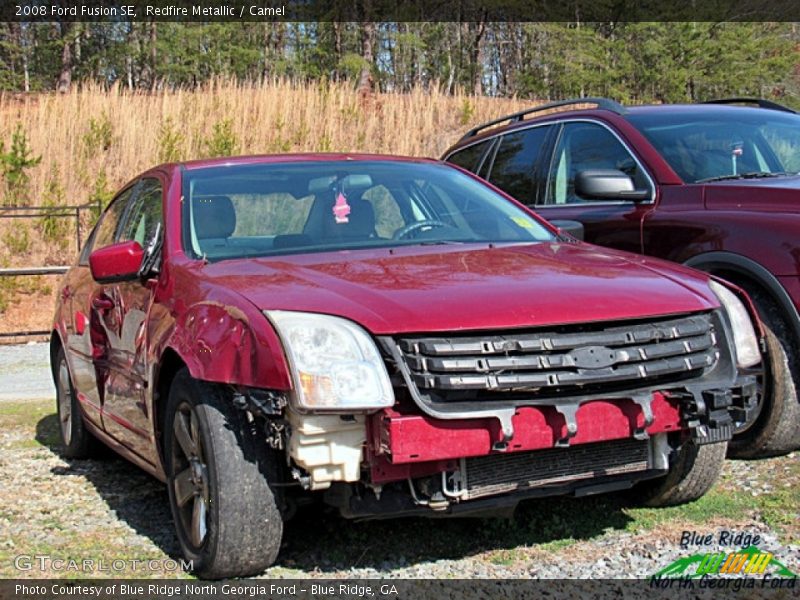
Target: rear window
[472, 157]
[516, 161]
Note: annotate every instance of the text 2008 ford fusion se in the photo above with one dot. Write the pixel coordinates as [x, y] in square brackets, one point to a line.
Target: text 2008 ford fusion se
[392, 334]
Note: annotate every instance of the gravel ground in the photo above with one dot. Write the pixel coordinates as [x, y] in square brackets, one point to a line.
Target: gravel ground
[106, 508]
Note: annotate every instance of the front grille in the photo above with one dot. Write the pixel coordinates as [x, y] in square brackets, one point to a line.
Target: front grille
[563, 362]
[505, 473]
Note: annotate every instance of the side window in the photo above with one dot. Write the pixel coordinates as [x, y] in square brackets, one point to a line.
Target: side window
[144, 215]
[583, 146]
[105, 232]
[516, 163]
[471, 157]
[784, 143]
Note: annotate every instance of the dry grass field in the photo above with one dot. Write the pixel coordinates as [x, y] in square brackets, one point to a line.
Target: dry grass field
[94, 139]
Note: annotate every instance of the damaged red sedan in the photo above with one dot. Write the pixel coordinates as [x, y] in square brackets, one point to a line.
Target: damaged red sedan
[392, 334]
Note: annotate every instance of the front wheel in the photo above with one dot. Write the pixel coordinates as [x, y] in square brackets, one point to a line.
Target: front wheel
[692, 472]
[218, 476]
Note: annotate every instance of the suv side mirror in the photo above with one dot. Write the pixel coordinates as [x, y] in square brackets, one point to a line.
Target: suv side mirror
[607, 184]
[118, 262]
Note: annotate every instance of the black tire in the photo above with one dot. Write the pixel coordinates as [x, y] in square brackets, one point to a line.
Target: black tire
[691, 474]
[77, 441]
[239, 531]
[776, 430]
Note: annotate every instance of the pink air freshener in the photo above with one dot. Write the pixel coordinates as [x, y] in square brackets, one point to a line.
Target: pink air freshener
[341, 209]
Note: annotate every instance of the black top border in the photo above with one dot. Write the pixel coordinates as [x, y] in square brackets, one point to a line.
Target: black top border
[400, 10]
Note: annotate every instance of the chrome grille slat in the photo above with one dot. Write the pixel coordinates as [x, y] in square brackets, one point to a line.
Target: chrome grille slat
[624, 355]
[618, 335]
[556, 359]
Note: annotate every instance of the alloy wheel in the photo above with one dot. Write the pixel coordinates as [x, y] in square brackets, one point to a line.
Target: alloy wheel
[190, 479]
[64, 394]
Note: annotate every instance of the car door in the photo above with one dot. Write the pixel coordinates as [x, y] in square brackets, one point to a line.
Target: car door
[586, 145]
[87, 336]
[126, 412]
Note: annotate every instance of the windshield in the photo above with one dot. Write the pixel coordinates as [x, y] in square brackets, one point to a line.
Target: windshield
[715, 144]
[286, 208]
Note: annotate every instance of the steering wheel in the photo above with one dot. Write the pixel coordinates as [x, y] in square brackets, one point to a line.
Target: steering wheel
[412, 227]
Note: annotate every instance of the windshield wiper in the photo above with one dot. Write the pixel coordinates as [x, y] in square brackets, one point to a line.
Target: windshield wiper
[441, 243]
[750, 175]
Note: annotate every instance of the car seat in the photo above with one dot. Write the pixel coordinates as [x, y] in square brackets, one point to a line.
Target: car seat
[360, 223]
[214, 222]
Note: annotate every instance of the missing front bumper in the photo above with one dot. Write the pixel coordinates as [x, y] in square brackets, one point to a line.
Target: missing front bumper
[500, 481]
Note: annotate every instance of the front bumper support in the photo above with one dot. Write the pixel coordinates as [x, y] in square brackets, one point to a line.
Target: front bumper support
[712, 414]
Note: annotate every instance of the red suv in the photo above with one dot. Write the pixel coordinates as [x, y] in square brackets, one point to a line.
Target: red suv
[713, 186]
[393, 335]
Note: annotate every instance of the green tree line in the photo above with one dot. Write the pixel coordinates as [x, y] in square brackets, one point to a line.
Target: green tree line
[632, 62]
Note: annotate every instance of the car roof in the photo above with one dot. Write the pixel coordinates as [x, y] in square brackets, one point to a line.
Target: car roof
[695, 109]
[301, 157]
[509, 123]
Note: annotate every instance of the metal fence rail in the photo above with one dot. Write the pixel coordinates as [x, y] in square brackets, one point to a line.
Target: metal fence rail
[37, 213]
[41, 212]
[54, 270]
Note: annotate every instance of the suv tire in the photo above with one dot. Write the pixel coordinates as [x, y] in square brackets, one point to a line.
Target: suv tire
[692, 472]
[218, 469]
[776, 430]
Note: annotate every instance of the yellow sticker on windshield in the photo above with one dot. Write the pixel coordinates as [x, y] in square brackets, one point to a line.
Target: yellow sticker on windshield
[522, 222]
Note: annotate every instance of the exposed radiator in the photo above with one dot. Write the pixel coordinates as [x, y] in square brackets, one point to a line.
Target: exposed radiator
[504, 473]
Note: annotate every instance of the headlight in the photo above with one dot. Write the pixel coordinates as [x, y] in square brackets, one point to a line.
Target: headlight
[334, 363]
[744, 336]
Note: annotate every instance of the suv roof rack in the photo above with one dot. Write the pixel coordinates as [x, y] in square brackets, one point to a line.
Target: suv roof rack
[603, 103]
[760, 102]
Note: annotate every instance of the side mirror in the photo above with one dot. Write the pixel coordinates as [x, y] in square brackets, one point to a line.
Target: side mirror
[574, 228]
[118, 262]
[607, 184]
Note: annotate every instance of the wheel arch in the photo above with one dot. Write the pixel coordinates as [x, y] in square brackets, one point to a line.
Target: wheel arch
[228, 341]
[168, 367]
[56, 344]
[739, 269]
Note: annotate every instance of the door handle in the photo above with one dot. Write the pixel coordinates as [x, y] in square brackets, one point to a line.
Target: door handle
[102, 303]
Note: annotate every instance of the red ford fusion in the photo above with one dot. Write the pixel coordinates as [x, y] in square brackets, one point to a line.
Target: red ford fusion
[393, 335]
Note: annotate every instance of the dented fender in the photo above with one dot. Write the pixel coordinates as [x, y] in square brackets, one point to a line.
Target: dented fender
[227, 343]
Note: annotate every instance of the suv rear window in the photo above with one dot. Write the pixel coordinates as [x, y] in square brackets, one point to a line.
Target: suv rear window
[471, 158]
[515, 164]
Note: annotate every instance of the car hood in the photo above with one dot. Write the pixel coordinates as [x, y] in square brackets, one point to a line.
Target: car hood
[447, 288]
[772, 194]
